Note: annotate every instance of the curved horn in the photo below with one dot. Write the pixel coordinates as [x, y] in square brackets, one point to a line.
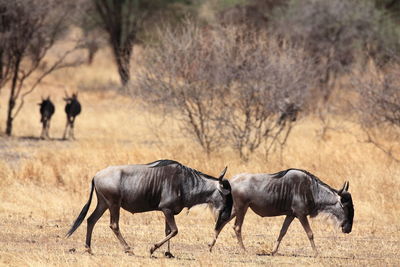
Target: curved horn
[347, 186]
[222, 174]
[66, 97]
[344, 188]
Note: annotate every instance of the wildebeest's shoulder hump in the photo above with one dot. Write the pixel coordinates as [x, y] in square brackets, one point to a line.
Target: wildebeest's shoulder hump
[162, 163]
[280, 174]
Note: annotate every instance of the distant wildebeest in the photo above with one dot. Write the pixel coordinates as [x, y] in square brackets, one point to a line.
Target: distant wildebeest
[294, 193]
[72, 109]
[163, 185]
[288, 113]
[46, 111]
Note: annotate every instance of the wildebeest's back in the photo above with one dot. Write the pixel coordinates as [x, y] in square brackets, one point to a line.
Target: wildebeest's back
[273, 195]
[73, 108]
[140, 188]
[46, 110]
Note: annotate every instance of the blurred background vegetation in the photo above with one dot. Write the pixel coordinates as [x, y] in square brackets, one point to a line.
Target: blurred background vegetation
[232, 72]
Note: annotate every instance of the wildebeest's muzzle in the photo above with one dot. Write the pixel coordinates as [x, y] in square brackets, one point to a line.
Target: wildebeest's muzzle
[348, 208]
[226, 192]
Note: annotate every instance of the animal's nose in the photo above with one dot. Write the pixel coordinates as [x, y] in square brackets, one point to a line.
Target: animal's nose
[346, 229]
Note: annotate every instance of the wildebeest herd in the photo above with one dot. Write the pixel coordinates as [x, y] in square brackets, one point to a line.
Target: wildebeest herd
[47, 109]
[169, 186]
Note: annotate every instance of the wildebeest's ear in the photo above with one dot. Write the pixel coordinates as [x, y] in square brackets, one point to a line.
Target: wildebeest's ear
[344, 188]
[222, 174]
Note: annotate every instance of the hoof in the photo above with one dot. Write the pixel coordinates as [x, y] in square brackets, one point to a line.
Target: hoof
[152, 249]
[89, 251]
[169, 255]
[129, 253]
[211, 245]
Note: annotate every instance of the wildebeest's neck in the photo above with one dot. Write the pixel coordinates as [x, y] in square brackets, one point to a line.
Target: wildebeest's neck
[323, 196]
[198, 190]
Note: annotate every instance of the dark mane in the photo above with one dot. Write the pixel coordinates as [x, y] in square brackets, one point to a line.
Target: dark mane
[187, 170]
[312, 176]
[280, 174]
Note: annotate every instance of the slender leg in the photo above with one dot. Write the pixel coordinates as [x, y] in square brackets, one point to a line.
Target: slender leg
[217, 231]
[285, 226]
[72, 128]
[47, 129]
[66, 128]
[307, 228]
[114, 225]
[167, 253]
[92, 220]
[241, 212]
[42, 135]
[44, 126]
[170, 219]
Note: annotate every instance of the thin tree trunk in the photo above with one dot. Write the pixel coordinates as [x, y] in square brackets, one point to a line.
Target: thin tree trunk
[122, 58]
[11, 100]
[92, 50]
[1, 67]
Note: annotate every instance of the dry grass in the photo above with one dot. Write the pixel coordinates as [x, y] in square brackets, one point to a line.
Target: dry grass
[44, 184]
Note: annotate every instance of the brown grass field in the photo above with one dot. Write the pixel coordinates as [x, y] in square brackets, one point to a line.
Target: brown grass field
[44, 184]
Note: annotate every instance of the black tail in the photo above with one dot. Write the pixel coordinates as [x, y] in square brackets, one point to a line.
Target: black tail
[81, 215]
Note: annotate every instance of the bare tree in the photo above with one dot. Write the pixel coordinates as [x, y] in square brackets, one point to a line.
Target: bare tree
[93, 37]
[378, 108]
[226, 84]
[122, 20]
[270, 87]
[30, 30]
[5, 62]
[182, 75]
[337, 33]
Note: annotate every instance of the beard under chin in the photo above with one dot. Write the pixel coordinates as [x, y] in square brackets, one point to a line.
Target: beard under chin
[330, 219]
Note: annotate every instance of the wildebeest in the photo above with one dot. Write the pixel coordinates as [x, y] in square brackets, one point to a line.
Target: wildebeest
[294, 193]
[72, 109]
[46, 111]
[163, 185]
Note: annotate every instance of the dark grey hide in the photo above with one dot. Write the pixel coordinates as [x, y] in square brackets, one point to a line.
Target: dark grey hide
[294, 193]
[46, 112]
[163, 185]
[72, 109]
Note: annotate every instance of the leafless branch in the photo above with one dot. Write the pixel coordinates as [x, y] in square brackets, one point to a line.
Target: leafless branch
[229, 86]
